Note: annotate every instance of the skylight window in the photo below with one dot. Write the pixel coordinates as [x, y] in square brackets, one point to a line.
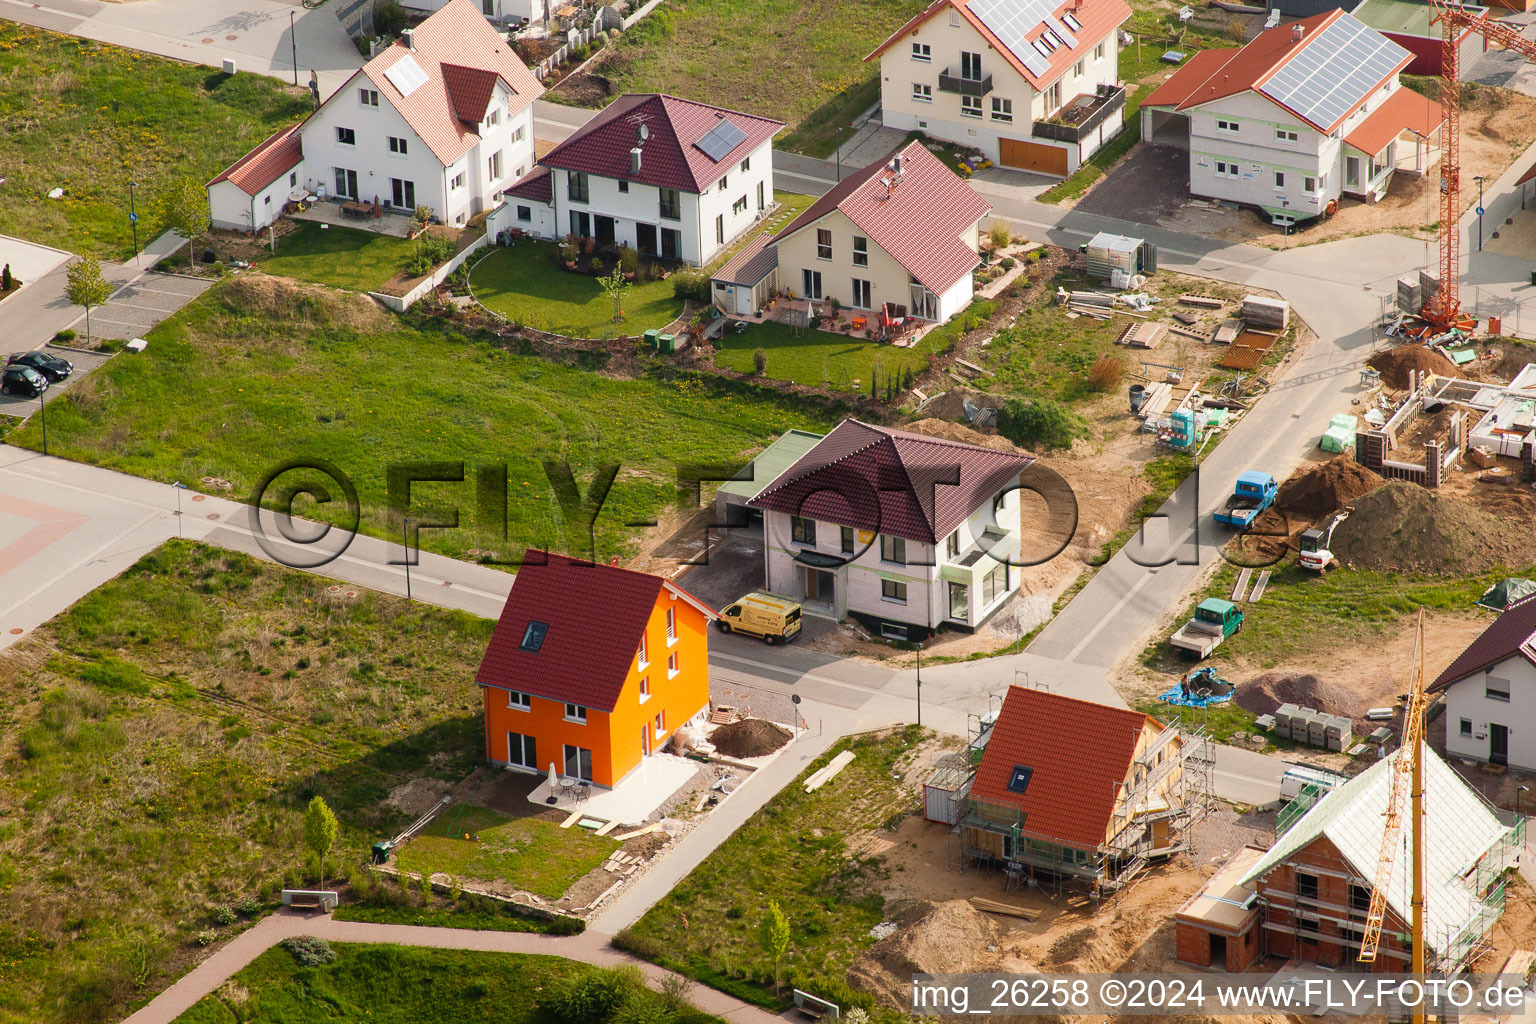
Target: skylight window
[1018, 782]
[1072, 22]
[533, 636]
[406, 75]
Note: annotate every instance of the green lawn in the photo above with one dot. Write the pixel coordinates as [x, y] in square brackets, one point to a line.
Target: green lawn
[800, 61]
[794, 851]
[161, 740]
[90, 118]
[837, 361]
[544, 858]
[524, 284]
[259, 370]
[387, 984]
[340, 257]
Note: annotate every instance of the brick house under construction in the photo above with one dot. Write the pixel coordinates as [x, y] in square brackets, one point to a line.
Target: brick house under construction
[1069, 790]
[1307, 897]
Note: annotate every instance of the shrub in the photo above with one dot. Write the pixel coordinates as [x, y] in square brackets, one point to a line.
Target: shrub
[1006, 263]
[310, 951]
[388, 17]
[566, 925]
[759, 362]
[427, 252]
[250, 906]
[223, 914]
[207, 937]
[593, 996]
[691, 284]
[629, 260]
[596, 266]
[1027, 421]
[1105, 372]
[66, 334]
[642, 1009]
[675, 990]
[1000, 234]
[423, 215]
[568, 252]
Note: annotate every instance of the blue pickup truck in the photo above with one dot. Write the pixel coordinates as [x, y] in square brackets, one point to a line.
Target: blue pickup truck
[1254, 493]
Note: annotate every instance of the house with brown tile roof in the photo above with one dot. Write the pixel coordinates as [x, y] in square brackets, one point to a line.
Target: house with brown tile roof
[1490, 692]
[1069, 790]
[1302, 115]
[1032, 84]
[666, 176]
[902, 532]
[443, 118]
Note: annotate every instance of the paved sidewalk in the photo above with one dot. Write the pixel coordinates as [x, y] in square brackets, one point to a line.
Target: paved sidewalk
[589, 947]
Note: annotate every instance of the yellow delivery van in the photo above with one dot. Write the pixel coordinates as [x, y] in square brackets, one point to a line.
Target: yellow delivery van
[773, 617]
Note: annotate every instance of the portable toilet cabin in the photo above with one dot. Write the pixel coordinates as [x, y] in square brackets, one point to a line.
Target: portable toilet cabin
[1182, 433]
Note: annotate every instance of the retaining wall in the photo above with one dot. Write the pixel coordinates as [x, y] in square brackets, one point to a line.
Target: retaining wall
[401, 303]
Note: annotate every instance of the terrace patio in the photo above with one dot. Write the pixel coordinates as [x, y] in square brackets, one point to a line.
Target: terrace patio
[336, 212]
[862, 325]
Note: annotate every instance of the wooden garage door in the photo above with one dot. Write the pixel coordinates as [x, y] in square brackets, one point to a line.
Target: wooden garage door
[1032, 156]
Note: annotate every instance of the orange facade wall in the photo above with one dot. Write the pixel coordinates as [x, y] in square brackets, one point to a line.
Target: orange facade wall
[615, 738]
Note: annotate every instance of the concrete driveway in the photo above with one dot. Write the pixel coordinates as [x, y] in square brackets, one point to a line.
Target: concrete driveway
[85, 362]
[29, 261]
[141, 305]
[253, 33]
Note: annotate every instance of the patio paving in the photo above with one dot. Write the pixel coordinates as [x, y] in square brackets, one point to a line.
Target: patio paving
[797, 313]
[329, 212]
[633, 800]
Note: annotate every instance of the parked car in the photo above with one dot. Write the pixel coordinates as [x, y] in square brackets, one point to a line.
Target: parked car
[22, 380]
[52, 367]
[771, 616]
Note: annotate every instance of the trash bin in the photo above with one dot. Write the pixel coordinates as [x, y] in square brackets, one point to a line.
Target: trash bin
[381, 851]
[1495, 325]
[650, 338]
[666, 343]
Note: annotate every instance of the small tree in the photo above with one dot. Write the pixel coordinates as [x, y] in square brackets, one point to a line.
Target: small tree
[759, 361]
[186, 210]
[1000, 235]
[773, 934]
[616, 285]
[319, 831]
[86, 287]
[7, 282]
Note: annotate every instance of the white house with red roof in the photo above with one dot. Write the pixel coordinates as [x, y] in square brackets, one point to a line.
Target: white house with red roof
[666, 176]
[443, 119]
[1490, 692]
[1033, 84]
[1303, 114]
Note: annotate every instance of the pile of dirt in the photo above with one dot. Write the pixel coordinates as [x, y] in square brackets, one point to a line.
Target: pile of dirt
[1266, 693]
[1403, 527]
[947, 431]
[1395, 364]
[1319, 490]
[930, 938]
[261, 299]
[750, 737]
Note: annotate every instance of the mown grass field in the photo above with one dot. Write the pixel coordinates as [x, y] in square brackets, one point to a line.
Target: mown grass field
[258, 371]
[89, 118]
[545, 858]
[160, 741]
[361, 261]
[799, 61]
[405, 985]
[524, 284]
[794, 850]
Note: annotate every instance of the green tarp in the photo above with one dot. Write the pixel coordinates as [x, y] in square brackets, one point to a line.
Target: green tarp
[1506, 592]
[1340, 435]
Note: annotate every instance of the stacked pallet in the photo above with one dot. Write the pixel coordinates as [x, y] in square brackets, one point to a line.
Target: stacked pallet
[1143, 335]
[1265, 313]
[1158, 397]
[1200, 301]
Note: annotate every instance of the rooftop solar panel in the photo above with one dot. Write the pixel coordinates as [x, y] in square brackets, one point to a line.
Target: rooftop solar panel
[406, 75]
[1334, 72]
[720, 140]
[1012, 21]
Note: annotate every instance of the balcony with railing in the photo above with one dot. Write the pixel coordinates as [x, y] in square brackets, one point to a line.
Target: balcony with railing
[964, 86]
[1081, 117]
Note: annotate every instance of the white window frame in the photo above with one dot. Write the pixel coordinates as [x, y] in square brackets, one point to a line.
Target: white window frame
[517, 700]
[672, 667]
[660, 723]
[896, 588]
[1279, 179]
[1309, 183]
[645, 689]
[346, 136]
[1230, 127]
[860, 251]
[860, 284]
[458, 181]
[1227, 169]
[643, 655]
[1077, 70]
[398, 146]
[368, 97]
[1285, 135]
[1098, 52]
[970, 106]
[671, 626]
[1002, 109]
[575, 713]
[824, 244]
[922, 92]
[922, 52]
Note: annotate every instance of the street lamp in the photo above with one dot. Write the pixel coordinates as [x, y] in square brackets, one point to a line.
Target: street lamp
[293, 42]
[919, 683]
[42, 409]
[838, 152]
[405, 539]
[133, 219]
[1479, 180]
[178, 487]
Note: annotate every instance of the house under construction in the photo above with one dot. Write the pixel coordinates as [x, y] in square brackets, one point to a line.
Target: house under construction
[1066, 791]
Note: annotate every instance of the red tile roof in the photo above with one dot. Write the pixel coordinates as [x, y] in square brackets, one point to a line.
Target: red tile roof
[274, 157]
[1512, 634]
[458, 50]
[581, 661]
[891, 481]
[1098, 17]
[919, 222]
[1079, 753]
[669, 158]
[1405, 110]
[1204, 81]
[536, 185]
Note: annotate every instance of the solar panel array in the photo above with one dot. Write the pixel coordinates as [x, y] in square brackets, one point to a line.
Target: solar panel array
[721, 139]
[1013, 20]
[1335, 71]
[406, 75]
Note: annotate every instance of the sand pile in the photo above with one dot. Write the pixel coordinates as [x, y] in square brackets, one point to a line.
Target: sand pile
[1319, 490]
[1272, 689]
[1395, 363]
[929, 939]
[750, 737]
[945, 430]
[1403, 527]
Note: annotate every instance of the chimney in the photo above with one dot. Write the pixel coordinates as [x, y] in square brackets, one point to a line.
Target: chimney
[1297, 31]
[896, 166]
[634, 160]
[408, 37]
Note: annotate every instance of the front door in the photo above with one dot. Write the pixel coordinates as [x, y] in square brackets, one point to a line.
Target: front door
[604, 229]
[1498, 744]
[522, 751]
[820, 585]
[959, 602]
[1352, 172]
[1219, 951]
[645, 740]
[810, 283]
[578, 762]
[671, 243]
[403, 193]
[645, 239]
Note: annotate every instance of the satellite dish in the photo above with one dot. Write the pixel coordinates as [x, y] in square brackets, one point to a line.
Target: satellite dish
[645, 133]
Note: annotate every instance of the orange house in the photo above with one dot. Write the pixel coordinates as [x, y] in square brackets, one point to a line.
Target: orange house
[591, 668]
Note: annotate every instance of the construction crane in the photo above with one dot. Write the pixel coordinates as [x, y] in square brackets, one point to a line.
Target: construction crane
[1443, 311]
[1407, 786]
